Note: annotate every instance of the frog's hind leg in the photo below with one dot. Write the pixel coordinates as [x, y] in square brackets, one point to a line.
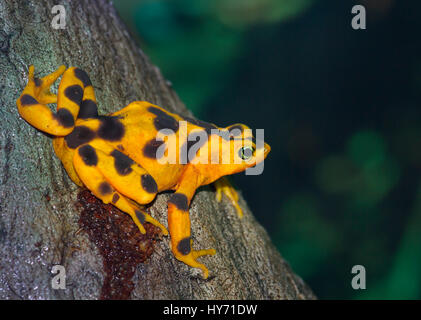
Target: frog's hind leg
[75, 93]
[115, 178]
[66, 156]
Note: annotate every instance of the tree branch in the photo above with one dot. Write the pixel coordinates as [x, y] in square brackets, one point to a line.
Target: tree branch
[38, 217]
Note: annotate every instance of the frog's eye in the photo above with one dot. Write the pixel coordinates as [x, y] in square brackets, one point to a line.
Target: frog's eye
[246, 153]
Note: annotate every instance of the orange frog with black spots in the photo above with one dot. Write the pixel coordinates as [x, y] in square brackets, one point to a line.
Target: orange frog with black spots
[116, 156]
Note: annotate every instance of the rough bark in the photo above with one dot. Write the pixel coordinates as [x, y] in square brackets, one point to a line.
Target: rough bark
[38, 218]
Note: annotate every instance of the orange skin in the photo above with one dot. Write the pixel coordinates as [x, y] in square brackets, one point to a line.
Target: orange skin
[117, 156]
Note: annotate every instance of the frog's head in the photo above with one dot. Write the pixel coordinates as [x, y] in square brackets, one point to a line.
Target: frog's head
[239, 150]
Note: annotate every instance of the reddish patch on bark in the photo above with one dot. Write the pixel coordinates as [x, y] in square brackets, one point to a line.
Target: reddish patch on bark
[119, 241]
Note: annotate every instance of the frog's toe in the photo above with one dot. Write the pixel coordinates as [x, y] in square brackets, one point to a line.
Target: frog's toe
[191, 260]
[49, 79]
[223, 186]
[145, 217]
[184, 252]
[45, 83]
[41, 86]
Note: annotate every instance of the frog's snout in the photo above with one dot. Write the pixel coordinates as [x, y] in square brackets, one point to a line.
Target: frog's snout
[266, 149]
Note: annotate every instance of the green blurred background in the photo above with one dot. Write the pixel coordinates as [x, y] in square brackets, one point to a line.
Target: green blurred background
[340, 108]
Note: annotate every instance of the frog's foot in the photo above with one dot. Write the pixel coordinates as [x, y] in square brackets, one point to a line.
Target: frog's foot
[32, 105]
[115, 178]
[145, 217]
[223, 186]
[186, 254]
[41, 87]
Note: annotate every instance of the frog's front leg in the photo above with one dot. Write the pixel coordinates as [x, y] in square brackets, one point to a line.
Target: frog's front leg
[179, 223]
[223, 186]
[115, 178]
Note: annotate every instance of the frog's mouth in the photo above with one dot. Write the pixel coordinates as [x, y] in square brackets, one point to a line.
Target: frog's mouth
[261, 154]
[266, 150]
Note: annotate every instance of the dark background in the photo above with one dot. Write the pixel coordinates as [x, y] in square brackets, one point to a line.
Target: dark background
[341, 111]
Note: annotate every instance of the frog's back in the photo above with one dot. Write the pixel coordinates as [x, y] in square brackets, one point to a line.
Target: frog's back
[148, 117]
[142, 121]
[134, 131]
